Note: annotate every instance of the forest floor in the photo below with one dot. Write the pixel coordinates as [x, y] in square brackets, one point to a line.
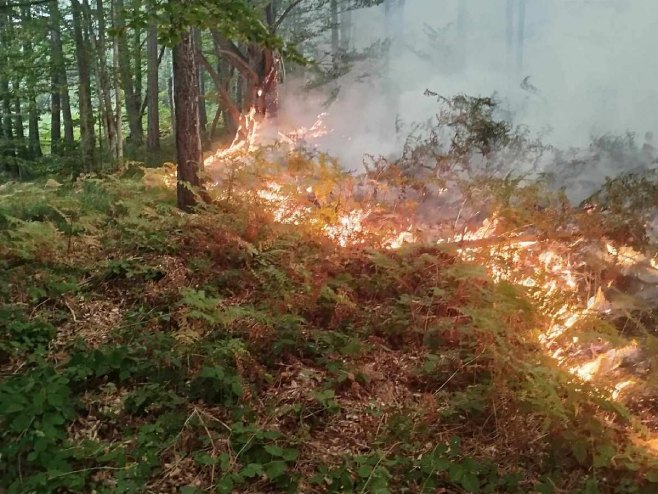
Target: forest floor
[145, 350]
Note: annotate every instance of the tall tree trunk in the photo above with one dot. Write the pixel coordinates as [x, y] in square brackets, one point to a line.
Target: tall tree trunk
[335, 40]
[170, 100]
[58, 76]
[152, 89]
[21, 148]
[133, 105]
[112, 126]
[34, 143]
[137, 56]
[118, 94]
[56, 56]
[188, 136]
[7, 124]
[346, 26]
[203, 114]
[87, 133]
[97, 58]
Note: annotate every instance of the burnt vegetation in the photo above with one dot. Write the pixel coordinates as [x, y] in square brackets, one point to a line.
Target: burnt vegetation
[144, 350]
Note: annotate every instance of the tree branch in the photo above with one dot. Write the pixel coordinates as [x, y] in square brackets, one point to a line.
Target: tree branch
[285, 14]
[230, 106]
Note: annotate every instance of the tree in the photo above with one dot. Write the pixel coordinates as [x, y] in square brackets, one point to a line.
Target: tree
[87, 133]
[152, 89]
[189, 153]
[133, 103]
[60, 100]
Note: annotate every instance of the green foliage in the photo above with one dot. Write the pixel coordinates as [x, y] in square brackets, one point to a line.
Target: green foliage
[254, 356]
[20, 335]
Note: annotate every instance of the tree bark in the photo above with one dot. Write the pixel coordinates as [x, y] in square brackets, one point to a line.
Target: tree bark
[137, 55]
[58, 76]
[21, 148]
[346, 26]
[34, 142]
[118, 93]
[87, 133]
[152, 89]
[56, 57]
[335, 33]
[188, 136]
[203, 114]
[7, 124]
[132, 104]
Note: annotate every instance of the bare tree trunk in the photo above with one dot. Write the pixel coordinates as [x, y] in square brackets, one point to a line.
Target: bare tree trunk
[118, 93]
[152, 89]
[56, 57]
[98, 58]
[7, 126]
[137, 55]
[203, 114]
[34, 143]
[346, 26]
[335, 40]
[87, 133]
[188, 136]
[132, 104]
[21, 148]
[59, 79]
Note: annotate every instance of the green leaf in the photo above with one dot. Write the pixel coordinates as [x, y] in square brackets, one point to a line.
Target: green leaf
[274, 450]
[275, 469]
[225, 485]
[189, 489]
[364, 471]
[252, 470]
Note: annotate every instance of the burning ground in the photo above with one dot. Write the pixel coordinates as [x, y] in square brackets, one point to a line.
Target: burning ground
[317, 331]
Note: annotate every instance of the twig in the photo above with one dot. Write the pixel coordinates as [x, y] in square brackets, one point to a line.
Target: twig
[75, 319]
[461, 368]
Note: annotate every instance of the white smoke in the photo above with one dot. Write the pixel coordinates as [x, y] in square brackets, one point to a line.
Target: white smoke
[588, 68]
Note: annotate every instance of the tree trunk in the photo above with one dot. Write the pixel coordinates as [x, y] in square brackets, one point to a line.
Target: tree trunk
[346, 26]
[58, 75]
[132, 104]
[203, 114]
[335, 39]
[21, 148]
[137, 55]
[98, 59]
[34, 143]
[118, 93]
[152, 89]
[56, 56]
[188, 136]
[87, 133]
[7, 126]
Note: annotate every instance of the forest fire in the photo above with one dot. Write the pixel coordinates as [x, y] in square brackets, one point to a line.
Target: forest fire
[548, 271]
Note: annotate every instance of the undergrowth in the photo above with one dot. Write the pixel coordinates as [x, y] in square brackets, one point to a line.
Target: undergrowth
[147, 351]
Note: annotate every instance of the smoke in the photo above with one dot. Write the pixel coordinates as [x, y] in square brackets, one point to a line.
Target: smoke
[569, 70]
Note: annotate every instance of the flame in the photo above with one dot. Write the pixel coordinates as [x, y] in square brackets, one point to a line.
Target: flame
[244, 141]
[549, 274]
